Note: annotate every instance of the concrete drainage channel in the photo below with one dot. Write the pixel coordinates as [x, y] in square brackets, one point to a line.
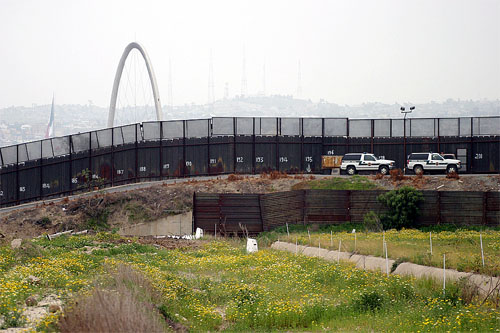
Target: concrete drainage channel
[487, 285]
[180, 224]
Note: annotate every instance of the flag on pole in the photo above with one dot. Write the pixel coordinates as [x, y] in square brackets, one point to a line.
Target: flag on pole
[50, 126]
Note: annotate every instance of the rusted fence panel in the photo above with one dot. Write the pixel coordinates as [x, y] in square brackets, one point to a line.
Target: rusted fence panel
[225, 212]
[281, 208]
[263, 212]
[326, 207]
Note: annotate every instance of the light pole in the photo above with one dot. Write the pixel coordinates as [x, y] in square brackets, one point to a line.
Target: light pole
[403, 110]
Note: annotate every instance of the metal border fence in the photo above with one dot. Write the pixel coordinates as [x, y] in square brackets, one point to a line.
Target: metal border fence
[220, 145]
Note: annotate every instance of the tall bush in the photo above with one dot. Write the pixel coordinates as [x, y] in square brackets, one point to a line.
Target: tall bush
[402, 207]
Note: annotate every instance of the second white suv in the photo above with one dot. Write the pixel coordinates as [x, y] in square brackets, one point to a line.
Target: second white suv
[422, 162]
[354, 162]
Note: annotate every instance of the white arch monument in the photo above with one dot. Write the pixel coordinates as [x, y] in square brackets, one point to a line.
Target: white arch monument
[116, 84]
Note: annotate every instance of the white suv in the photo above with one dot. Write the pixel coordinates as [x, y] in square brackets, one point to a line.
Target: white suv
[354, 162]
[421, 162]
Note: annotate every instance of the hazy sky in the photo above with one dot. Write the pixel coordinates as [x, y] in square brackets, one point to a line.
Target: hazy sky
[350, 51]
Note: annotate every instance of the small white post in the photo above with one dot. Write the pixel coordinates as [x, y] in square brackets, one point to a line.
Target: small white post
[309, 234]
[386, 260]
[355, 241]
[296, 247]
[287, 230]
[482, 253]
[430, 240]
[331, 238]
[215, 232]
[383, 242]
[338, 253]
[444, 274]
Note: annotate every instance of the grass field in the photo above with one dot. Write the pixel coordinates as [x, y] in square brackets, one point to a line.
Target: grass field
[355, 182]
[462, 247]
[217, 286]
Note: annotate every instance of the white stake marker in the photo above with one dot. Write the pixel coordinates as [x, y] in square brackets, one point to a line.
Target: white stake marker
[444, 274]
[430, 240]
[338, 253]
[482, 253]
[355, 241]
[287, 230]
[331, 238]
[296, 247]
[386, 260]
[309, 234]
[383, 242]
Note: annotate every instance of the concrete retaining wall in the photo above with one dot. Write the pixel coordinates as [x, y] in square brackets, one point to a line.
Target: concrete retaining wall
[180, 224]
[483, 282]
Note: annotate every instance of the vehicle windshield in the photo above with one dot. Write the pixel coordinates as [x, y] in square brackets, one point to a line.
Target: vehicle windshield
[437, 157]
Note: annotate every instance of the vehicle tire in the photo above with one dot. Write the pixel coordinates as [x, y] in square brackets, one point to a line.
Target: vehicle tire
[451, 168]
[384, 170]
[418, 170]
[351, 170]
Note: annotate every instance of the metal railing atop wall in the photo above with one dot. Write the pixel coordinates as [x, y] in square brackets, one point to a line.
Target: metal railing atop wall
[184, 148]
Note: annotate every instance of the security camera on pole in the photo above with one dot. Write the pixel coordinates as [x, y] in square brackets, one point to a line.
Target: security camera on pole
[403, 110]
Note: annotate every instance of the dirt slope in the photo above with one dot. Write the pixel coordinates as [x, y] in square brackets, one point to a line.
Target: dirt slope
[112, 210]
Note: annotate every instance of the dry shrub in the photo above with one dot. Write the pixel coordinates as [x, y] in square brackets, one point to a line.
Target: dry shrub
[452, 175]
[122, 308]
[469, 291]
[419, 181]
[232, 177]
[298, 176]
[397, 175]
[311, 177]
[379, 175]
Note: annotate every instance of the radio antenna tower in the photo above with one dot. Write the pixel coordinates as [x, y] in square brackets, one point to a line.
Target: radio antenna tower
[211, 86]
[244, 76]
[264, 79]
[170, 101]
[299, 83]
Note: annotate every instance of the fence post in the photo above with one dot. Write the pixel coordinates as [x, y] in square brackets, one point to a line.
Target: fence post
[209, 121]
[470, 159]
[41, 170]
[183, 148]
[112, 156]
[349, 193]
[439, 138]
[372, 123]
[193, 221]
[89, 174]
[485, 207]
[17, 176]
[253, 147]
[278, 123]
[70, 164]
[301, 130]
[161, 150]
[264, 227]
[438, 207]
[304, 208]
[235, 131]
